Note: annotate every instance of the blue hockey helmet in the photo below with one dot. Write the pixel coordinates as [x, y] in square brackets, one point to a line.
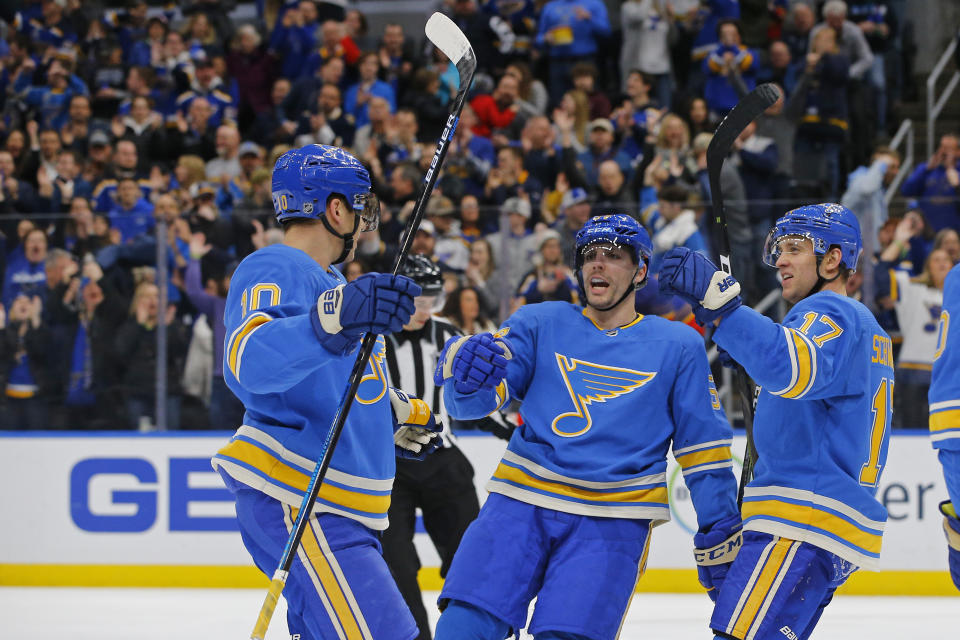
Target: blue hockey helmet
[825, 225]
[618, 229]
[305, 178]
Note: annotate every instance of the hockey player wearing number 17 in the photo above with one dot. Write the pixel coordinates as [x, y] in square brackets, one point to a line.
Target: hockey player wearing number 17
[810, 514]
[294, 326]
[605, 393]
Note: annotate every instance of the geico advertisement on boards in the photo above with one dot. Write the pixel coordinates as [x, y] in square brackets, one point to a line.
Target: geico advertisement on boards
[154, 499]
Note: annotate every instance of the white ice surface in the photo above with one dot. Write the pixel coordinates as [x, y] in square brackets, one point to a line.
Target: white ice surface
[228, 614]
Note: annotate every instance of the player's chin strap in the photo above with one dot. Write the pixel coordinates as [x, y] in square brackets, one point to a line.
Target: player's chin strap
[821, 280]
[346, 237]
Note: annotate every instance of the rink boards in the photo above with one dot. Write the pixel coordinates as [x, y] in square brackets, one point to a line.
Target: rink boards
[104, 509]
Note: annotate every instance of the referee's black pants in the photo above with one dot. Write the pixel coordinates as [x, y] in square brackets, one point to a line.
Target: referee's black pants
[442, 487]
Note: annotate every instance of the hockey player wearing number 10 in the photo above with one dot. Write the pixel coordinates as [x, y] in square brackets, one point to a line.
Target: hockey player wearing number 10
[810, 514]
[605, 392]
[294, 326]
[944, 397]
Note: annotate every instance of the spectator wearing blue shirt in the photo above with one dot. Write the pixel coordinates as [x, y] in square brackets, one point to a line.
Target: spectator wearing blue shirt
[124, 165]
[52, 98]
[141, 51]
[294, 38]
[208, 84]
[819, 104]
[356, 99]
[601, 147]
[728, 57]
[49, 28]
[26, 273]
[470, 156]
[709, 18]
[571, 32]
[936, 185]
[131, 215]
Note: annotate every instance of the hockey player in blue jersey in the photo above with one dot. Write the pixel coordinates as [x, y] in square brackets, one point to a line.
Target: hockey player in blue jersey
[294, 325]
[944, 399]
[605, 393]
[810, 514]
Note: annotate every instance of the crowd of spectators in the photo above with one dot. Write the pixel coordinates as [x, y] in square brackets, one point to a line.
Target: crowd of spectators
[125, 127]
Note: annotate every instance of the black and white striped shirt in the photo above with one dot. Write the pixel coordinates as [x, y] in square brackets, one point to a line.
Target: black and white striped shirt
[411, 359]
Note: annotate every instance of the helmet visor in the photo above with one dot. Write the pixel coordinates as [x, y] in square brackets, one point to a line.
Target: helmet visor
[604, 250]
[367, 206]
[778, 243]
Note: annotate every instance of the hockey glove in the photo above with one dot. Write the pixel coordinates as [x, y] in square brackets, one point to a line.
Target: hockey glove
[951, 527]
[694, 278]
[373, 303]
[715, 550]
[416, 432]
[474, 362]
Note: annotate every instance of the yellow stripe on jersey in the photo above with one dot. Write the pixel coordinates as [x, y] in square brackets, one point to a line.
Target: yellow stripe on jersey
[235, 344]
[512, 474]
[329, 589]
[803, 362]
[762, 585]
[894, 290]
[943, 420]
[805, 515]
[502, 395]
[718, 454]
[278, 470]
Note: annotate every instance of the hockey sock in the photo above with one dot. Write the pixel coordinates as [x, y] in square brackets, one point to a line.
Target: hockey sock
[462, 621]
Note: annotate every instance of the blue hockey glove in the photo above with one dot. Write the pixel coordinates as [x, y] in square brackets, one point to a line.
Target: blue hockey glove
[474, 362]
[416, 432]
[951, 527]
[715, 550]
[373, 303]
[692, 276]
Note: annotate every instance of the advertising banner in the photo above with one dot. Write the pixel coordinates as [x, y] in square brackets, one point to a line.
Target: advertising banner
[147, 509]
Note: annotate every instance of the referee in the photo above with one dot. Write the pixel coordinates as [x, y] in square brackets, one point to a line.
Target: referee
[442, 484]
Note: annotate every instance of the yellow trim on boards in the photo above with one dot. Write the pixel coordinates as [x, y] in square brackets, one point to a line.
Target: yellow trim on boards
[861, 583]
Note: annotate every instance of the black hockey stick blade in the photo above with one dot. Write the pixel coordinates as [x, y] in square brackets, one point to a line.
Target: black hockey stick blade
[729, 129]
[443, 33]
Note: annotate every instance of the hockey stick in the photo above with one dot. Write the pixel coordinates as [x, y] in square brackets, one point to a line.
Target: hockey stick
[447, 37]
[729, 129]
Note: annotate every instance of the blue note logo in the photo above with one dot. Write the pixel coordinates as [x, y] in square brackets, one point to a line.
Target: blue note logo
[589, 383]
[373, 384]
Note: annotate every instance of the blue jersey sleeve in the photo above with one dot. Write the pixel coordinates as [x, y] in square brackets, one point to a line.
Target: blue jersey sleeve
[267, 312]
[702, 437]
[944, 395]
[520, 330]
[802, 358]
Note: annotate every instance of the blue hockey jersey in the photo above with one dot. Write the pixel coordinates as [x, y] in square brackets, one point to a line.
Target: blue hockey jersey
[822, 422]
[944, 393]
[600, 410]
[291, 387]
